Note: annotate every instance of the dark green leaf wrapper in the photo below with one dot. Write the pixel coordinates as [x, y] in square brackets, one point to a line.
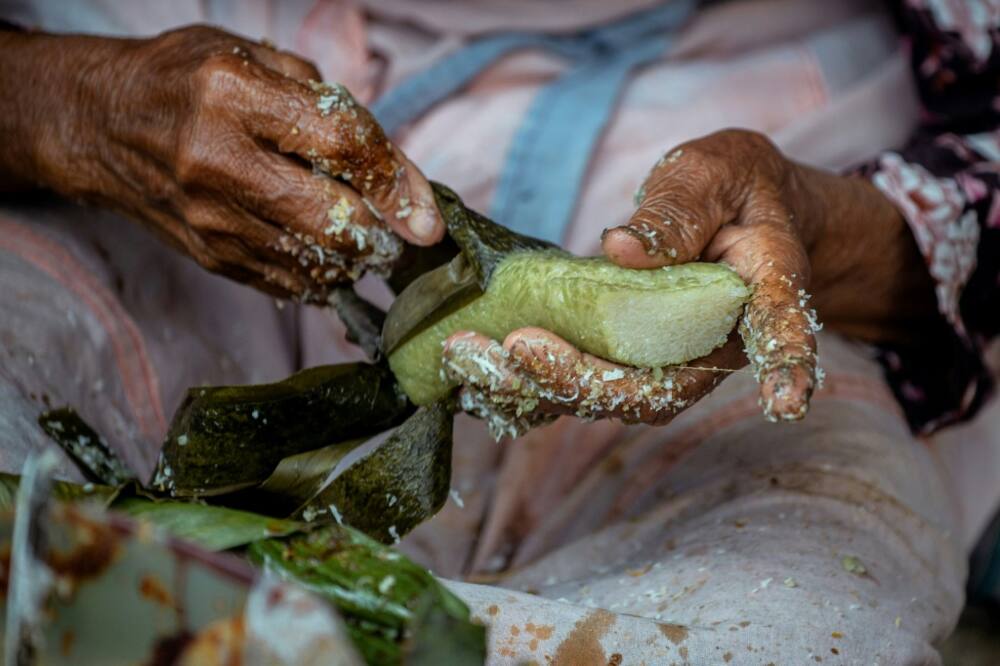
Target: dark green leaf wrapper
[226, 438]
[377, 591]
[434, 293]
[483, 242]
[398, 485]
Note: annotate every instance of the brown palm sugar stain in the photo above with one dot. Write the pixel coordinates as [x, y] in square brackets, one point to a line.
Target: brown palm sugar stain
[674, 632]
[542, 632]
[583, 645]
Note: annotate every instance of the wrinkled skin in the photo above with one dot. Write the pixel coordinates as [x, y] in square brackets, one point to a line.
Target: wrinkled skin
[227, 148]
[787, 229]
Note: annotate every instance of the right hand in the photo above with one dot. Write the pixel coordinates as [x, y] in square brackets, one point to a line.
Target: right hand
[731, 197]
[235, 154]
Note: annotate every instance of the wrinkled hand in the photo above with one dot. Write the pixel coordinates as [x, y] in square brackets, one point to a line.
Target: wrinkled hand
[236, 154]
[730, 197]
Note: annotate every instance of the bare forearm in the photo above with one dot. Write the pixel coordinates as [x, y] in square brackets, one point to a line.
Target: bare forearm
[869, 279]
[54, 87]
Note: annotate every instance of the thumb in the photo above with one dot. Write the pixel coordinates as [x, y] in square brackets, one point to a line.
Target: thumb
[680, 208]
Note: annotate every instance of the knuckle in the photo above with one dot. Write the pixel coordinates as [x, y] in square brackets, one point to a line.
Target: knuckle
[192, 166]
[298, 67]
[184, 36]
[751, 139]
[218, 75]
[188, 164]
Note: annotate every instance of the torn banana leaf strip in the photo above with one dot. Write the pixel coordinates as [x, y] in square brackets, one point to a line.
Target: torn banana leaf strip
[379, 593]
[226, 438]
[396, 486]
[211, 527]
[84, 446]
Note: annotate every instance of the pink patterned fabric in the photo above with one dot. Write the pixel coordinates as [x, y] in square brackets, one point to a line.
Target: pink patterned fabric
[972, 20]
[946, 234]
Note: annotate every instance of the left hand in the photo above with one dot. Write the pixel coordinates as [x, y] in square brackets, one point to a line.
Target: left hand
[231, 151]
[730, 197]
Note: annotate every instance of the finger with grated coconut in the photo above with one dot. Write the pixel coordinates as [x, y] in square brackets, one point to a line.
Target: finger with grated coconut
[535, 376]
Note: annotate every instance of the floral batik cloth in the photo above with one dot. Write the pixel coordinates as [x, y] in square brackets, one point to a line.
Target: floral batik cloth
[946, 183]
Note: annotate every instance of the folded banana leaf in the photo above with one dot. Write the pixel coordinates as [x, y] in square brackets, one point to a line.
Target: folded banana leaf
[483, 244]
[381, 595]
[416, 260]
[222, 439]
[395, 487]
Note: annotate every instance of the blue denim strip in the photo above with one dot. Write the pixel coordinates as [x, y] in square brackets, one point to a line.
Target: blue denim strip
[548, 157]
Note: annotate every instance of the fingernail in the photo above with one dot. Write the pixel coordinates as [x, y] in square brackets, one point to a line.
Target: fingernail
[422, 224]
[788, 389]
[649, 239]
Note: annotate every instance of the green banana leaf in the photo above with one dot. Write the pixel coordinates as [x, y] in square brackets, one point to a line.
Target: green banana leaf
[417, 260]
[386, 493]
[223, 439]
[396, 611]
[381, 595]
[395, 487]
[63, 491]
[385, 600]
[431, 294]
[211, 527]
[483, 242]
